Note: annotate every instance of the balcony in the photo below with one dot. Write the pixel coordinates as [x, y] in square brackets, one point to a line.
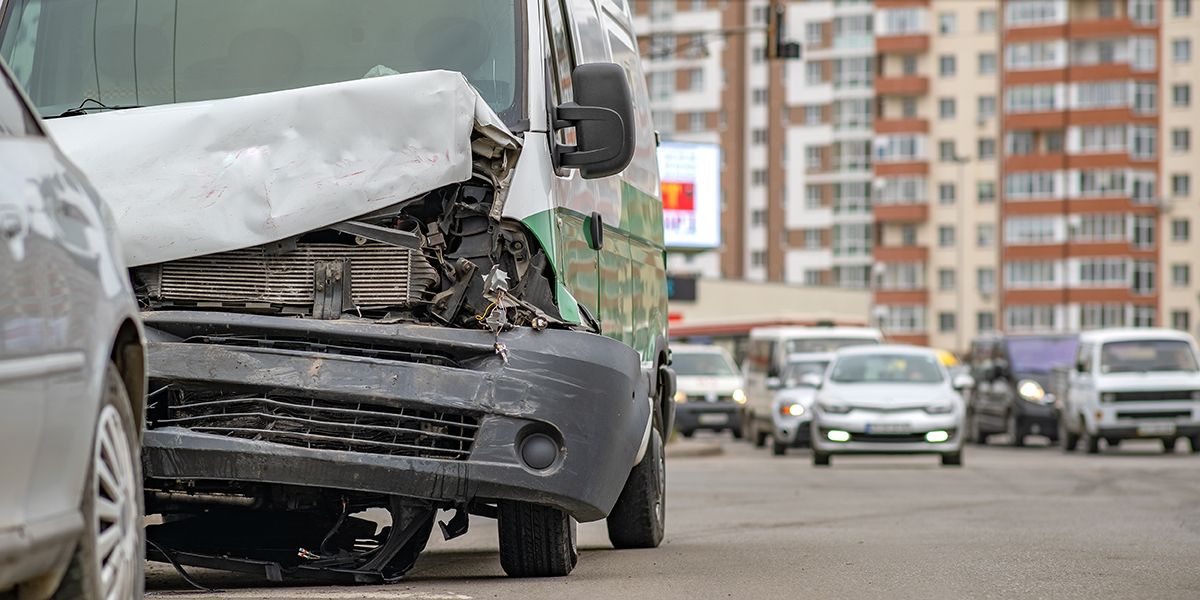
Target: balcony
[900, 169]
[901, 213]
[914, 339]
[902, 126]
[904, 297]
[890, 254]
[904, 85]
[902, 44]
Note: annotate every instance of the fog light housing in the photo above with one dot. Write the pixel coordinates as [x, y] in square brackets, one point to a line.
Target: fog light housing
[539, 451]
[936, 437]
[837, 435]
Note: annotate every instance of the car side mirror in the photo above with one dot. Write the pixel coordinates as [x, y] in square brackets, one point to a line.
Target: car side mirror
[1080, 367]
[603, 117]
[963, 381]
[811, 380]
[774, 383]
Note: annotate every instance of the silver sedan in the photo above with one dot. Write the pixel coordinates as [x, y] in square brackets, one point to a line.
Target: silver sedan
[888, 400]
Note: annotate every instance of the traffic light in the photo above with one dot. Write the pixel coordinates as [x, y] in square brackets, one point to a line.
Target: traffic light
[777, 45]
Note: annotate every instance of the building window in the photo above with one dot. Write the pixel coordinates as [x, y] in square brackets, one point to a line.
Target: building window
[985, 321]
[1181, 8]
[946, 65]
[1181, 320]
[812, 158]
[901, 190]
[812, 277]
[1145, 98]
[697, 121]
[946, 152]
[1181, 50]
[1143, 230]
[758, 177]
[813, 114]
[1029, 318]
[1107, 9]
[985, 192]
[902, 276]
[946, 23]
[899, 148]
[1181, 185]
[1031, 230]
[908, 235]
[1096, 316]
[814, 34]
[1181, 274]
[1032, 98]
[985, 280]
[664, 120]
[1180, 230]
[812, 239]
[1026, 13]
[946, 193]
[904, 319]
[758, 217]
[908, 107]
[759, 96]
[662, 85]
[908, 64]
[1031, 184]
[1103, 272]
[1181, 139]
[1181, 95]
[985, 235]
[946, 321]
[813, 73]
[758, 137]
[946, 236]
[1027, 274]
[1110, 227]
[987, 107]
[1143, 12]
[1144, 316]
[1143, 276]
[946, 108]
[812, 196]
[987, 63]
[946, 279]
[1035, 55]
[986, 148]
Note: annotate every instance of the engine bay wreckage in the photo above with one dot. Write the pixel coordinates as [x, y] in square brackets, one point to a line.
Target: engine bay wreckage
[341, 319]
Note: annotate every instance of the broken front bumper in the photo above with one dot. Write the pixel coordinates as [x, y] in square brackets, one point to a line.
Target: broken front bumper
[424, 412]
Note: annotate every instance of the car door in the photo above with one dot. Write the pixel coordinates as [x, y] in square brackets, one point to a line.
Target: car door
[25, 359]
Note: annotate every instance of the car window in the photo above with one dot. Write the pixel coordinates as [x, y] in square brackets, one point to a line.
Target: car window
[1146, 356]
[830, 344]
[709, 364]
[886, 368]
[15, 118]
[1040, 355]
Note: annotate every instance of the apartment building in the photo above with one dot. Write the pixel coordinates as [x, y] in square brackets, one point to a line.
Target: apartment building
[1024, 165]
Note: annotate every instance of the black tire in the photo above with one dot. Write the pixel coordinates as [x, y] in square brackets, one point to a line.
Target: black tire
[1195, 441]
[821, 459]
[736, 432]
[1015, 430]
[639, 518]
[978, 435]
[1112, 442]
[82, 580]
[687, 433]
[1091, 444]
[1168, 445]
[952, 459]
[536, 541]
[759, 436]
[1069, 440]
[778, 448]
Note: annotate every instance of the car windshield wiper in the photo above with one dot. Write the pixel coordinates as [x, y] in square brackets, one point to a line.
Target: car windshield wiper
[83, 108]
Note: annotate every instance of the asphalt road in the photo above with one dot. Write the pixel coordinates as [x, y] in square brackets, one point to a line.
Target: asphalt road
[1012, 523]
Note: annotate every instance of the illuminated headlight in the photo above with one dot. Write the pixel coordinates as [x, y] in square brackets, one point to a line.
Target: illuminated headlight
[939, 409]
[680, 397]
[739, 396]
[791, 410]
[1031, 391]
[835, 409]
[836, 435]
[936, 437]
[1111, 397]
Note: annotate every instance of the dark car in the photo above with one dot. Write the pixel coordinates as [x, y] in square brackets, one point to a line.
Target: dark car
[71, 378]
[1012, 376]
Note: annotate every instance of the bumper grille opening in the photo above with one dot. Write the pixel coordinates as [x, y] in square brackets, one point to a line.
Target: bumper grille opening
[1170, 396]
[1161, 414]
[323, 425]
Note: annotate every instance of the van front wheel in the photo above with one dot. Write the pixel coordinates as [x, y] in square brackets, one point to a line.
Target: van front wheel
[639, 518]
[536, 541]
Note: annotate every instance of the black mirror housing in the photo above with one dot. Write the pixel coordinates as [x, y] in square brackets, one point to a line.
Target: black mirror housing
[603, 117]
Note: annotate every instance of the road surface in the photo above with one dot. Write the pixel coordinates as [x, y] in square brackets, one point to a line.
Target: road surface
[1012, 523]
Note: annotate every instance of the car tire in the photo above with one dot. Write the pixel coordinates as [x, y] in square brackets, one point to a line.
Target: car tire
[1015, 430]
[1069, 440]
[1091, 443]
[736, 432]
[978, 435]
[639, 518]
[758, 436]
[1112, 442]
[820, 459]
[1168, 445]
[536, 541]
[778, 448]
[687, 433]
[1195, 441]
[952, 459]
[113, 536]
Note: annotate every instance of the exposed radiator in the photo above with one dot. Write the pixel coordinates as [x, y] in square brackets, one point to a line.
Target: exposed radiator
[381, 276]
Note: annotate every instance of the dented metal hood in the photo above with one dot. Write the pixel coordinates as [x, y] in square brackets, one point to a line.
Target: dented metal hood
[198, 178]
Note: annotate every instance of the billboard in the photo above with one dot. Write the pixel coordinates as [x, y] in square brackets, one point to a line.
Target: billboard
[691, 194]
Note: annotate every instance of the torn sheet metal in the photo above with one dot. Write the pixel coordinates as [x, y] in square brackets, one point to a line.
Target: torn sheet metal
[198, 178]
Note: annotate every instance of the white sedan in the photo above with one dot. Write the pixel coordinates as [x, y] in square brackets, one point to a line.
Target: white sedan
[888, 400]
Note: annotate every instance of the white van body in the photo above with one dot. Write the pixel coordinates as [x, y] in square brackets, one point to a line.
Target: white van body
[1132, 383]
[768, 354]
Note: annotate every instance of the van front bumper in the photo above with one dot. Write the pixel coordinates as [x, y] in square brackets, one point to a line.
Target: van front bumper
[584, 391]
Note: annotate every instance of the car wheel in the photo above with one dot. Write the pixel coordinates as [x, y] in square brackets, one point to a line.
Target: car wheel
[820, 459]
[1195, 441]
[1015, 430]
[1112, 442]
[536, 541]
[952, 459]
[1069, 440]
[687, 433]
[1168, 445]
[778, 448]
[109, 558]
[736, 432]
[1091, 443]
[758, 436]
[977, 435]
[639, 518]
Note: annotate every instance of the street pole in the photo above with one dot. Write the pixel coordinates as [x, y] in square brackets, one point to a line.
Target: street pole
[960, 260]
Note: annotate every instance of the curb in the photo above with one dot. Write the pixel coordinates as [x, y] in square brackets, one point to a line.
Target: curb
[686, 450]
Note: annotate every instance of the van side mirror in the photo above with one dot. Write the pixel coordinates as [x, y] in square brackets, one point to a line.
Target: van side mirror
[603, 117]
[773, 383]
[1081, 367]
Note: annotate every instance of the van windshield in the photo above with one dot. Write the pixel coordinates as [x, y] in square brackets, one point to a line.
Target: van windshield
[829, 344]
[67, 51]
[697, 364]
[1040, 355]
[1143, 356]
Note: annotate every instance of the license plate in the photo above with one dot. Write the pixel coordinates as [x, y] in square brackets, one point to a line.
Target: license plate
[714, 419]
[1156, 429]
[889, 428]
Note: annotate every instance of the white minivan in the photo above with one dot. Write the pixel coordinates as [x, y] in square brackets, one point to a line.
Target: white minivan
[767, 357]
[1132, 383]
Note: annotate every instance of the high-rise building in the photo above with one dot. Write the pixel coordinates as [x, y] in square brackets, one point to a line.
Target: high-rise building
[1024, 165]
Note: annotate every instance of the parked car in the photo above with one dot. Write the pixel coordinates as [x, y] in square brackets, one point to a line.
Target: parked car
[72, 378]
[791, 409]
[1131, 383]
[888, 399]
[1013, 396]
[401, 255]
[767, 355]
[709, 390]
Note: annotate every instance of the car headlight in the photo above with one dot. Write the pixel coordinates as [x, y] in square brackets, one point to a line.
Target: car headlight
[739, 396]
[1031, 391]
[792, 409]
[939, 409]
[835, 409]
[680, 397]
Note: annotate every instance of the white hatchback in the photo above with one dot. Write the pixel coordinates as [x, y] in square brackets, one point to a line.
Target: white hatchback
[888, 400]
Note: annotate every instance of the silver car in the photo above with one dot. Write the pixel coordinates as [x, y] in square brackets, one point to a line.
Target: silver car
[791, 408]
[888, 400]
[71, 379]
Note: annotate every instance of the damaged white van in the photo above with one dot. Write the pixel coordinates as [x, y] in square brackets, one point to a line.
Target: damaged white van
[394, 254]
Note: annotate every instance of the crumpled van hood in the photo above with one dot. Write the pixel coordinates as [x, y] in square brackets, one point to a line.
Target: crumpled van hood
[198, 178]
